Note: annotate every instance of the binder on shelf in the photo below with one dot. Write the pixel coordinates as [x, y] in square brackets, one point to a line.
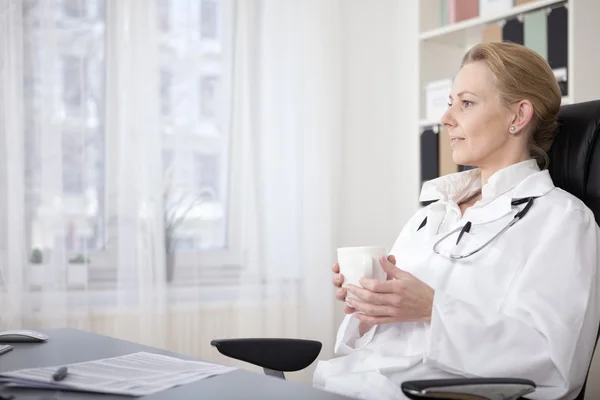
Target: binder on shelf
[535, 32]
[429, 155]
[443, 12]
[491, 33]
[446, 163]
[494, 7]
[436, 97]
[459, 10]
[558, 45]
[512, 31]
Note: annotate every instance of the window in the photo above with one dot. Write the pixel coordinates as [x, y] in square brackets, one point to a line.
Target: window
[208, 19]
[196, 145]
[64, 127]
[164, 14]
[208, 176]
[165, 93]
[74, 8]
[208, 89]
[167, 157]
[66, 164]
[72, 163]
[72, 84]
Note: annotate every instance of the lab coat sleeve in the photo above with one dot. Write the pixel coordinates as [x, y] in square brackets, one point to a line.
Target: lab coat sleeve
[546, 328]
[348, 337]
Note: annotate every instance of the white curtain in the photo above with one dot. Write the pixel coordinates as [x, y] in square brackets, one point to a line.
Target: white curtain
[12, 221]
[133, 149]
[148, 134]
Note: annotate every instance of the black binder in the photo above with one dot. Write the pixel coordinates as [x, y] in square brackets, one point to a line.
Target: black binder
[430, 165]
[512, 31]
[558, 42]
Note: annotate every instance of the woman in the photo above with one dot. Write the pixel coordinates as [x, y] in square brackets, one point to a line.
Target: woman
[525, 305]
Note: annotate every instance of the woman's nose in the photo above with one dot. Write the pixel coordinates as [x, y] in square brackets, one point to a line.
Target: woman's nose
[447, 118]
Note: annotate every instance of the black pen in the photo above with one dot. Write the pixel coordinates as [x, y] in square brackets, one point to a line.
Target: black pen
[60, 374]
[466, 228]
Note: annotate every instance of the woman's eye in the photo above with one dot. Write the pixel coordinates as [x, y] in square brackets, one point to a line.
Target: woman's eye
[467, 103]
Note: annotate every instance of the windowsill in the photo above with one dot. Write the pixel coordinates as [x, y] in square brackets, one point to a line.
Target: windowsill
[73, 301]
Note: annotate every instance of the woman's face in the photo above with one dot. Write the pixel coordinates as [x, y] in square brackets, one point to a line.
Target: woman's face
[477, 122]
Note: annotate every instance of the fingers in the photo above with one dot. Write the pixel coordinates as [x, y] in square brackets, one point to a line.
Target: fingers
[375, 320]
[389, 267]
[336, 268]
[391, 259]
[337, 280]
[349, 310]
[378, 286]
[372, 310]
[369, 296]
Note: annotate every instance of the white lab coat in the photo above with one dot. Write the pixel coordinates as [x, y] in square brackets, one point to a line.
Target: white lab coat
[525, 306]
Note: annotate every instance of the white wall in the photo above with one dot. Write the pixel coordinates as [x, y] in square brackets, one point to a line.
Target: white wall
[379, 171]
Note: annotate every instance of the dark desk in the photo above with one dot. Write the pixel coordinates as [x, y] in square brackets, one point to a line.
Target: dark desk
[67, 346]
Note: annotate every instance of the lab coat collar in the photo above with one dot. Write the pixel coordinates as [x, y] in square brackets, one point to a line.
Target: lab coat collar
[519, 180]
[508, 178]
[536, 184]
[452, 187]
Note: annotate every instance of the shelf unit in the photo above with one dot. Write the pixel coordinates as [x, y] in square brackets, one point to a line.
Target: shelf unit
[441, 48]
[454, 31]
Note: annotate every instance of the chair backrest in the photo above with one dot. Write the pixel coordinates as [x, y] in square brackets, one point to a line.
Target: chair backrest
[575, 158]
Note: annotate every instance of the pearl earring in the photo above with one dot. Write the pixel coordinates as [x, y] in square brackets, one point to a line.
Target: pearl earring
[512, 128]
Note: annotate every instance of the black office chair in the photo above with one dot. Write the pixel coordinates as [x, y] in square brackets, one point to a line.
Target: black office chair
[574, 167]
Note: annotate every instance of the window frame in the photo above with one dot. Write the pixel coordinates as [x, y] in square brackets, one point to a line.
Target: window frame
[190, 261]
[231, 254]
[63, 58]
[186, 262]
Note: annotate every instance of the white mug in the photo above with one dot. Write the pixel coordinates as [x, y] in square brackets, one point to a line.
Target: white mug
[360, 262]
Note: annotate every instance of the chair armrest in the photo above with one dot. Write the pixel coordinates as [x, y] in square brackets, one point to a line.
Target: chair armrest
[469, 388]
[286, 355]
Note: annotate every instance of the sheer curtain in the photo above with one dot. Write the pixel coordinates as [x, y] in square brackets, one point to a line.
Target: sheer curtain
[287, 99]
[169, 169]
[12, 165]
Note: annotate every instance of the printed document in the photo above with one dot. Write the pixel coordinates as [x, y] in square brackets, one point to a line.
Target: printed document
[137, 374]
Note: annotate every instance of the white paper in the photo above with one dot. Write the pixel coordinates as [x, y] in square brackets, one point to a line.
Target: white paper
[137, 374]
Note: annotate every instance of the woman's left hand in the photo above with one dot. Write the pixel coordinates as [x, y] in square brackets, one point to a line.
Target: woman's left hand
[401, 298]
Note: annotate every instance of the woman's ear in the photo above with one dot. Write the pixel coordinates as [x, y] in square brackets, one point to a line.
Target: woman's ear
[523, 113]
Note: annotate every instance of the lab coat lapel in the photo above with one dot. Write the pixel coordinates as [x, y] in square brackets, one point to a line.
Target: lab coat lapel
[435, 217]
[536, 185]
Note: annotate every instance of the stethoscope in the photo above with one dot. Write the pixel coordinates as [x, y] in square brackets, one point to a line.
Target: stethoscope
[467, 228]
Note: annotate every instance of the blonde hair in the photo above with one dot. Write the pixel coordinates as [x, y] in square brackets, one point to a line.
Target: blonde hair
[522, 74]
